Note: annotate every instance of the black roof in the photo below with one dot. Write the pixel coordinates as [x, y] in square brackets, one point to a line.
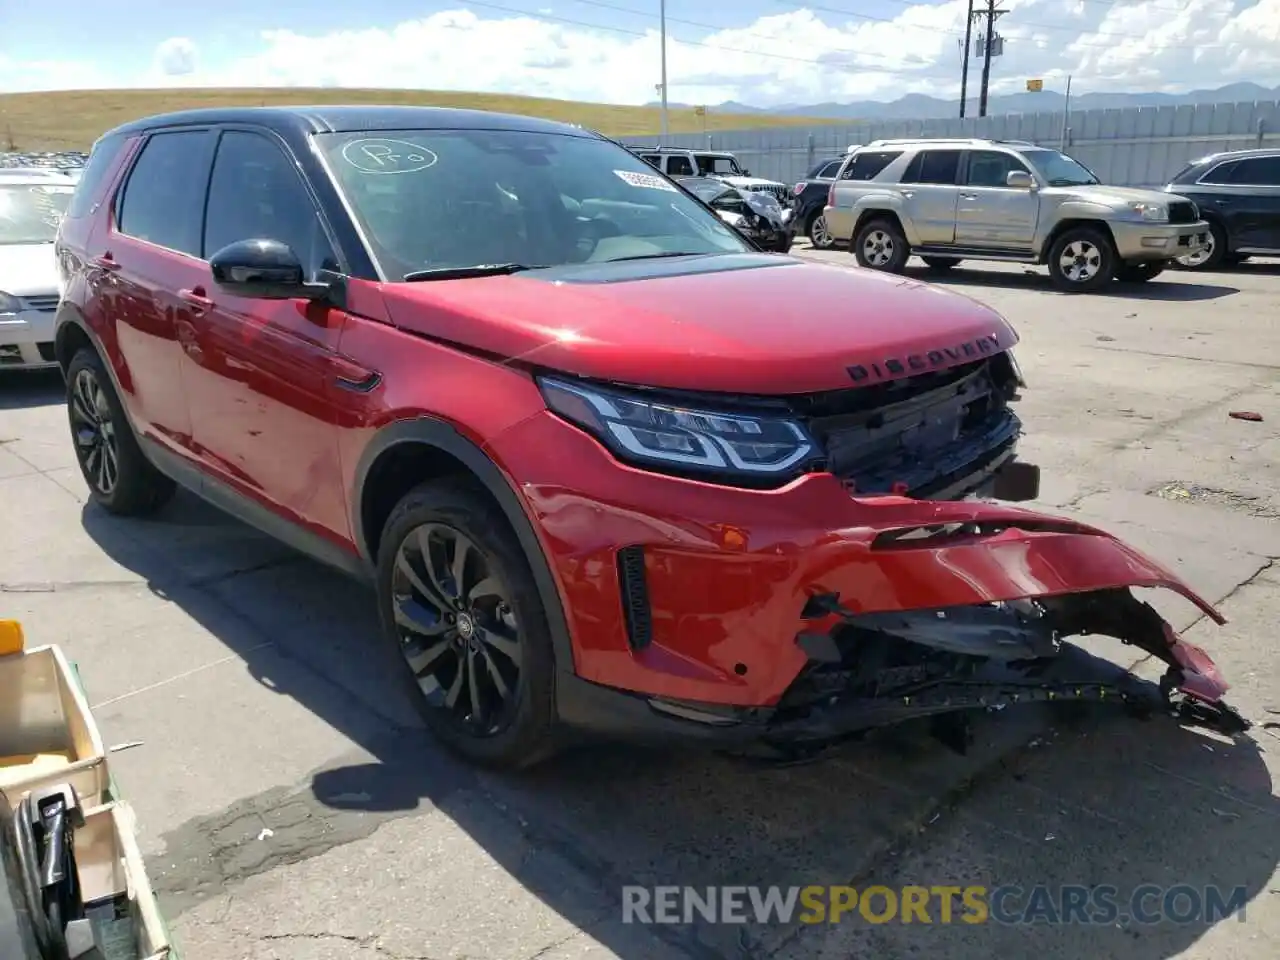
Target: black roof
[354, 118]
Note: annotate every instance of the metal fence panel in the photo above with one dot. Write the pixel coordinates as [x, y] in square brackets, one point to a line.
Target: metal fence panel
[1129, 146]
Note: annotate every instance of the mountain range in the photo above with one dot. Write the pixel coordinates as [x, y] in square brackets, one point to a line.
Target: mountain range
[918, 106]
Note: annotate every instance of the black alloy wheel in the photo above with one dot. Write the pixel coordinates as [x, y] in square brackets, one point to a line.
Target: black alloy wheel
[121, 479]
[93, 429]
[458, 629]
[464, 625]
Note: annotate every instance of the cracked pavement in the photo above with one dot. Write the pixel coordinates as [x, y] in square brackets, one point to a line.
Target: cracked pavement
[290, 807]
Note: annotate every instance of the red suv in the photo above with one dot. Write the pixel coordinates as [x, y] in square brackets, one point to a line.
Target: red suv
[610, 468]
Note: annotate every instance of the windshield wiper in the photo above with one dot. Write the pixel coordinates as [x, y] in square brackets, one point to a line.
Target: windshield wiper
[658, 256]
[464, 273]
[1068, 182]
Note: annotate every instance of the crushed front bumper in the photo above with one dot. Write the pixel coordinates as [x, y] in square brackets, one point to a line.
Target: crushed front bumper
[967, 608]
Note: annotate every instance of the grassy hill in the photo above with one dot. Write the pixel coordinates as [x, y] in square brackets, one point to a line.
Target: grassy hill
[73, 119]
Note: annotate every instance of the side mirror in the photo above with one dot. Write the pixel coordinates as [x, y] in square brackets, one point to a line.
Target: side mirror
[264, 270]
[1019, 179]
[746, 172]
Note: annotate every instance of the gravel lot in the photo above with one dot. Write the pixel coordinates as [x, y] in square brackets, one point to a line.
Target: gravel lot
[291, 809]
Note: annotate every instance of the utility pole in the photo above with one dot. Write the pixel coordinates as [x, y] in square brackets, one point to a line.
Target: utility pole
[992, 14]
[662, 20]
[964, 70]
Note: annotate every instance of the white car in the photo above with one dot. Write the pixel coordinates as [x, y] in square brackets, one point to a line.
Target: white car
[32, 203]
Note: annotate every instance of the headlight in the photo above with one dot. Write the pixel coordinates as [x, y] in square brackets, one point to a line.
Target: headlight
[1155, 212]
[651, 433]
[9, 304]
[1017, 370]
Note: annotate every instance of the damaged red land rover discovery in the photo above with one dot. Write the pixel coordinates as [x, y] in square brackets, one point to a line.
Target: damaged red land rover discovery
[610, 468]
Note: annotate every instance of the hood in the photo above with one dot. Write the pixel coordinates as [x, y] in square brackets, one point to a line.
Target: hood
[750, 181]
[734, 323]
[1115, 196]
[28, 270]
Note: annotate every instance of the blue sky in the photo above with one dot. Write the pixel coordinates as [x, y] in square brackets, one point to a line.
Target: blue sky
[763, 52]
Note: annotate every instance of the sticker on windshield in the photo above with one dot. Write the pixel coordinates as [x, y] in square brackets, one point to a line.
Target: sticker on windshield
[382, 156]
[644, 180]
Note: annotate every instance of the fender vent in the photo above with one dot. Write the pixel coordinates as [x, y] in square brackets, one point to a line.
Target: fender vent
[635, 597]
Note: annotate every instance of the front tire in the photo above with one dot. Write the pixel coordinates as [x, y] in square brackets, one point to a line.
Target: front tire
[1140, 272]
[466, 628]
[881, 245]
[1214, 256]
[1082, 260]
[121, 480]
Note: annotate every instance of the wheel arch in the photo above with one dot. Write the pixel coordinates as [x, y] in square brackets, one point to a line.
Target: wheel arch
[1075, 223]
[869, 214]
[406, 453]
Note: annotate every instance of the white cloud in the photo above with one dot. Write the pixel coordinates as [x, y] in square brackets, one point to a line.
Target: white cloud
[177, 57]
[794, 56]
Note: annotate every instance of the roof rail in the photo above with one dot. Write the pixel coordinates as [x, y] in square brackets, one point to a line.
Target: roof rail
[959, 141]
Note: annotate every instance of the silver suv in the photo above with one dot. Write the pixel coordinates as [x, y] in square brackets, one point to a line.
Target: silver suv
[952, 200]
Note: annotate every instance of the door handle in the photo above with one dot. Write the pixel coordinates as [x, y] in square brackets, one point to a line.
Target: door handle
[1223, 201]
[196, 298]
[968, 196]
[352, 376]
[908, 194]
[106, 262]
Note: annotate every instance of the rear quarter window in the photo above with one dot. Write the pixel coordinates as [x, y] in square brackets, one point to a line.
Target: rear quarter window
[869, 165]
[102, 158]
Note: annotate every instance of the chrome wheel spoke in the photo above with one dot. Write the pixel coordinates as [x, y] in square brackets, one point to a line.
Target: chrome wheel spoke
[425, 590]
[436, 585]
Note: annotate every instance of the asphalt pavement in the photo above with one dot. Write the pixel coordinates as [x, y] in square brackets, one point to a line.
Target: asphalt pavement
[290, 807]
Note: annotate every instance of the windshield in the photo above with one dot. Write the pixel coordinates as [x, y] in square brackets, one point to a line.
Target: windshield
[30, 213]
[721, 166]
[427, 199]
[1059, 170]
[708, 190]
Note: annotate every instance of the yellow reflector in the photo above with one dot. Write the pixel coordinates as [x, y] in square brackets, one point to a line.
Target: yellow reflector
[11, 638]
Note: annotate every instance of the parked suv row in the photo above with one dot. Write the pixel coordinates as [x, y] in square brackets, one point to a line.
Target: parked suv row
[951, 200]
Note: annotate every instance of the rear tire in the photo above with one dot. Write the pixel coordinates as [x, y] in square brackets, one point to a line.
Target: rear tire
[940, 263]
[881, 245]
[121, 479]
[818, 234]
[469, 639]
[1082, 260]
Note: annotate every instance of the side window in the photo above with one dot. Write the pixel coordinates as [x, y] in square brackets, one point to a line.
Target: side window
[256, 193]
[829, 171]
[101, 157]
[868, 166]
[990, 168]
[1221, 173]
[161, 201]
[679, 166]
[1257, 172]
[933, 166]
[652, 160]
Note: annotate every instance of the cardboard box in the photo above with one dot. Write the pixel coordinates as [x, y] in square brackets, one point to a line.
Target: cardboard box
[47, 734]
